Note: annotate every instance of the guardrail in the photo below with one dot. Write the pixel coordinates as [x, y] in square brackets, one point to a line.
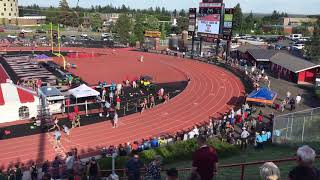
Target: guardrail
[184, 173]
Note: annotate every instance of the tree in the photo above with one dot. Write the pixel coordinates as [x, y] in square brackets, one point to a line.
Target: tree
[313, 46]
[64, 8]
[238, 18]
[249, 22]
[96, 21]
[139, 27]
[182, 13]
[123, 28]
[182, 24]
[152, 23]
[163, 31]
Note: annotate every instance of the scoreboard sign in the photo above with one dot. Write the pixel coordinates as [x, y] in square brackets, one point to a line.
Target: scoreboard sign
[228, 23]
[192, 20]
[209, 19]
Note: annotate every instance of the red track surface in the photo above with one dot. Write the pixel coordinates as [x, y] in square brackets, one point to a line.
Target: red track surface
[211, 91]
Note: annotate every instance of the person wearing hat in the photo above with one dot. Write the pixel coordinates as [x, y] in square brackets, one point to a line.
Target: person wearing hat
[244, 138]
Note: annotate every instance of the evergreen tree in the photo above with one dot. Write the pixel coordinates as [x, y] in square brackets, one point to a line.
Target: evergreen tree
[123, 28]
[313, 46]
[238, 18]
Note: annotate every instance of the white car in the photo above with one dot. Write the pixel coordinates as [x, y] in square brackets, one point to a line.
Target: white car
[84, 35]
[298, 46]
[11, 36]
[26, 31]
[73, 37]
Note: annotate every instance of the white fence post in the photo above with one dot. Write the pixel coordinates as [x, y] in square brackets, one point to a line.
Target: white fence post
[304, 121]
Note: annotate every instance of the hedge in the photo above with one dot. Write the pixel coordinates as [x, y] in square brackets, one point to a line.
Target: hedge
[172, 153]
[317, 92]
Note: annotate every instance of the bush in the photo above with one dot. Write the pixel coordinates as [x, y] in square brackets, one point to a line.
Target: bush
[173, 153]
[317, 92]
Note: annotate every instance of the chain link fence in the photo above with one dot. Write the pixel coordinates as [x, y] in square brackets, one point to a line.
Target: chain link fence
[297, 127]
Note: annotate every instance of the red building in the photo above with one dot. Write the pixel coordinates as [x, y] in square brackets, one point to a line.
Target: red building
[293, 68]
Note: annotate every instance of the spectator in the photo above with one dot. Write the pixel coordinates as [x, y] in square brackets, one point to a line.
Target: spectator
[2, 175]
[133, 167]
[172, 174]
[259, 141]
[305, 169]
[269, 171]
[154, 143]
[18, 173]
[56, 164]
[298, 99]
[244, 138]
[93, 169]
[205, 160]
[34, 172]
[45, 167]
[69, 164]
[153, 169]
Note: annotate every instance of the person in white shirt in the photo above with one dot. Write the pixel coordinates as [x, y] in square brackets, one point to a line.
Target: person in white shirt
[298, 99]
[288, 94]
[244, 136]
[103, 95]
[196, 131]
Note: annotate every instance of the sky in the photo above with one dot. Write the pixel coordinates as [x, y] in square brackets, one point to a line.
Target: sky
[256, 6]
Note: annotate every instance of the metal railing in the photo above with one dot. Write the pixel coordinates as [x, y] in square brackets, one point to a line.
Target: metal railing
[247, 170]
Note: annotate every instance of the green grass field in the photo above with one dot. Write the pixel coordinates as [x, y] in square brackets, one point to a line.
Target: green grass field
[270, 152]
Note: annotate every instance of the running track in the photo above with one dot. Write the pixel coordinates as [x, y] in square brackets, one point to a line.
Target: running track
[211, 91]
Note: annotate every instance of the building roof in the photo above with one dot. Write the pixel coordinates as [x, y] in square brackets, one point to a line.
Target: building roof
[262, 54]
[292, 63]
[50, 91]
[244, 48]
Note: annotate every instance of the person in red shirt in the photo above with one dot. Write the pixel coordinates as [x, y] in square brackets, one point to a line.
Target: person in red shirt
[205, 160]
[118, 101]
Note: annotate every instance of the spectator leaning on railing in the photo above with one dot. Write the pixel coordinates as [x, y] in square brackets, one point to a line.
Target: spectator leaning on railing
[305, 169]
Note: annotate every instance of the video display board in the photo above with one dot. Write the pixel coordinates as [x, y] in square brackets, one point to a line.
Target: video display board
[209, 19]
[228, 23]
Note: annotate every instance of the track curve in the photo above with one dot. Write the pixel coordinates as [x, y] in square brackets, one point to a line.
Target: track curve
[211, 91]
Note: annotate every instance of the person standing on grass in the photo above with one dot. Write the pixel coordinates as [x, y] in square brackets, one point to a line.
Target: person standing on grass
[115, 120]
[205, 160]
[133, 168]
[244, 138]
[259, 141]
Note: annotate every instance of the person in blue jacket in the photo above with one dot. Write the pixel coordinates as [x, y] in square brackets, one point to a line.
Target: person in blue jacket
[259, 141]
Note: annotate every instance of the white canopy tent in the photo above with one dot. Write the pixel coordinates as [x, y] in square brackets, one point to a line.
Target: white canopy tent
[83, 91]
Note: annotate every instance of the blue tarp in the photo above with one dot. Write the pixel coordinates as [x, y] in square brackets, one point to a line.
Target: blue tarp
[42, 56]
[263, 93]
